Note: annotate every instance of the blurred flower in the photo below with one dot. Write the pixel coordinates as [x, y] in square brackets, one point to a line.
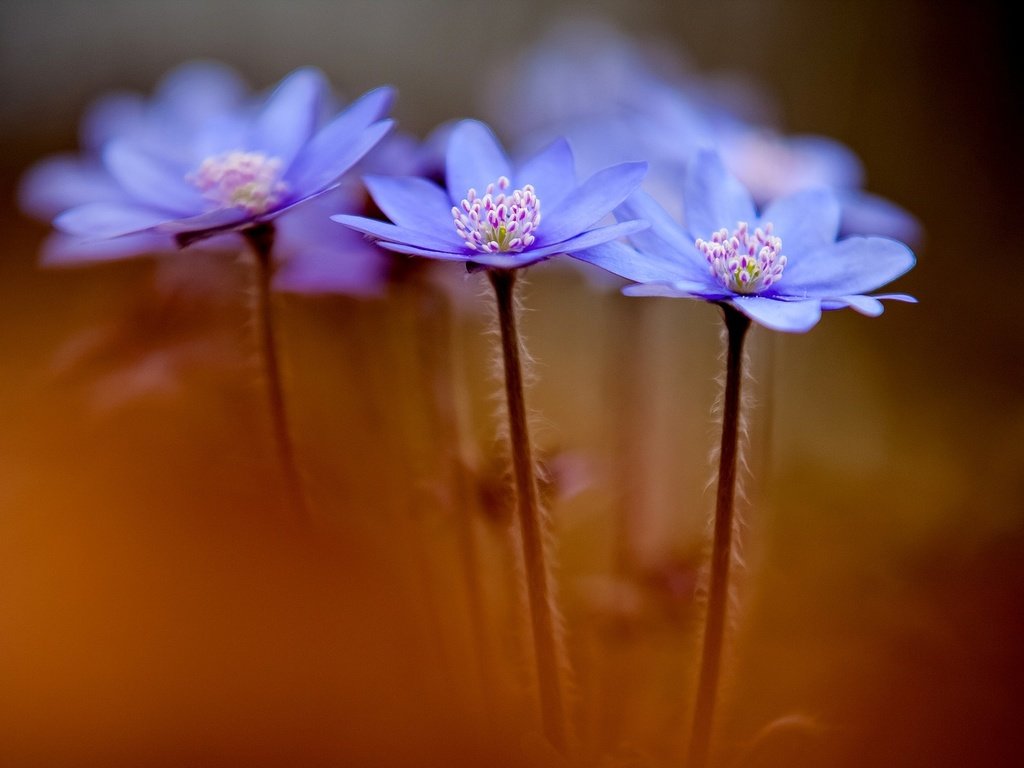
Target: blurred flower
[196, 107]
[616, 99]
[490, 214]
[193, 170]
[780, 268]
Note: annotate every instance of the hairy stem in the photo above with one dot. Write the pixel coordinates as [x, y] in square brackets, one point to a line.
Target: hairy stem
[721, 551]
[528, 506]
[261, 240]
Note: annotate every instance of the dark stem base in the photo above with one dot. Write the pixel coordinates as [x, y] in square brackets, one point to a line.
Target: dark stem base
[736, 325]
[261, 240]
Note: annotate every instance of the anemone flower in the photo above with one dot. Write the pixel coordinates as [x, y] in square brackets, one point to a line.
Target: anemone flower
[779, 268]
[200, 161]
[489, 218]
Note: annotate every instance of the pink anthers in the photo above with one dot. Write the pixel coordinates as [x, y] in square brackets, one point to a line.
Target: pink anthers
[498, 221]
[744, 262]
[246, 180]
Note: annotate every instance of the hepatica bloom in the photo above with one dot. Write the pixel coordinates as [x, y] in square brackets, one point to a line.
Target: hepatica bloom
[234, 171]
[494, 213]
[780, 267]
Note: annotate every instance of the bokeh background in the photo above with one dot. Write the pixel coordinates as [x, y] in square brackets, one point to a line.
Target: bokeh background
[156, 608]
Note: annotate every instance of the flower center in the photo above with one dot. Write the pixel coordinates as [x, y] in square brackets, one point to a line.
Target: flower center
[500, 221]
[247, 180]
[744, 261]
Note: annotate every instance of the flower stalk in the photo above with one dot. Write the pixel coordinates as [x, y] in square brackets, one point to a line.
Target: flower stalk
[539, 595]
[736, 325]
[261, 240]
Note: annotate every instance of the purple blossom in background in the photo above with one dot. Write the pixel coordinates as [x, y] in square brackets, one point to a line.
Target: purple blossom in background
[196, 162]
[490, 215]
[197, 106]
[616, 101]
[780, 268]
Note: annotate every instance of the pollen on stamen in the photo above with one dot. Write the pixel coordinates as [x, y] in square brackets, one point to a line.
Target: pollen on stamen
[247, 180]
[500, 221]
[744, 261]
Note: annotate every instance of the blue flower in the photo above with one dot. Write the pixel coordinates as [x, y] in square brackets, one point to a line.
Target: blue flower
[490, 215]
[219, 166]
[780, 268]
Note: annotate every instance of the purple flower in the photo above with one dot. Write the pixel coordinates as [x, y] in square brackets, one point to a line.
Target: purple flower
[780, 268]
[220, 166]
[491, 213]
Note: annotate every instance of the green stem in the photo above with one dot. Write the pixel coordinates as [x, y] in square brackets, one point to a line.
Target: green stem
[261, 240]
[721, 553]
[540, 599]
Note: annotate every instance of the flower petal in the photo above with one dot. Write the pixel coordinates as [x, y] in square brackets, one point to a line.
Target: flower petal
[64, 181]
[590, 202]
[552, 173]
[389, 233]
[652, 265]
[680, 289]
[589, 239]
[414, 203]
[198, 91]
[778, 315]
[61, 250]
[866, 305]
[852, 266]
[102, 220]
[342, 143]
[867, 214]
[152, 180]
[806, 220]
[713, 198]
[474, 159]
[289, 116]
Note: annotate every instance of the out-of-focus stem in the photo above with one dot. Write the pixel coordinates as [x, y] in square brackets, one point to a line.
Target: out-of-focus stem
[540, 598]
[721, 552]
[261, 240]
[438, 358]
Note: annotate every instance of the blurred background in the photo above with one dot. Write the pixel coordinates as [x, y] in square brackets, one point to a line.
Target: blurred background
[156, 608]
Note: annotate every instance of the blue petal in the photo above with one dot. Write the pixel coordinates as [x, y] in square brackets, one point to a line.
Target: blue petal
[852, 266]
[64, 181]
[552, 173]
[102, 220]
[474, 159]
[198, 91]
[680, 289]
[866, 305]
[789, 316]
[61, 250]
[151, 180]
[806, 220]
[590, 202]
[665, 244]
[867, 214]
[664, 228]
[713, 198]
[207, 223]
[659, 265]
[414, 203]
[394, 234]
[588, 239]
[412, 250]
[289, 117]
[342, 142]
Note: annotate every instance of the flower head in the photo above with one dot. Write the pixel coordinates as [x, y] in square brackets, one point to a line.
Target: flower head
[490, 213]
[781, 267]
[192, 171]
